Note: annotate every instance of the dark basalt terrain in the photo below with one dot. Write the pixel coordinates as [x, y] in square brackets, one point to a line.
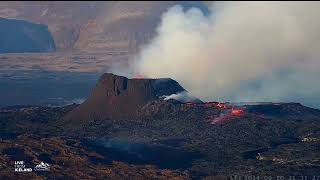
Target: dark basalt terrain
[18, 36]
[137, 134]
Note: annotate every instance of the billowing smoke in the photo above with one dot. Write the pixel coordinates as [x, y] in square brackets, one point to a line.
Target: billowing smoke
[183, 96]
[242, 51]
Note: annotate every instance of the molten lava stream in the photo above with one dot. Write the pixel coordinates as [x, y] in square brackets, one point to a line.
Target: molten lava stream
[237, 112]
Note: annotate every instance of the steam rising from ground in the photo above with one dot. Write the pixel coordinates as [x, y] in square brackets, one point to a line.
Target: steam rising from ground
[183, 96]
[243, 51]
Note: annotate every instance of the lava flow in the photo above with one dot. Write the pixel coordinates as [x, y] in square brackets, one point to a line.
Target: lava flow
[227, 113]
[237, 112]
[209, 104]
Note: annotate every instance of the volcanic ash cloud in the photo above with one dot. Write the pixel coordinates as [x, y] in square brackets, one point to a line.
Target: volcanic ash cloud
[242, 51]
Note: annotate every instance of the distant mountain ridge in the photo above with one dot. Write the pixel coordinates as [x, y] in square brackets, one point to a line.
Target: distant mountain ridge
[18, 36]
[95, 26]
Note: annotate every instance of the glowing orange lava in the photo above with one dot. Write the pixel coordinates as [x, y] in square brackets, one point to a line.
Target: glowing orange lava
[237, 112]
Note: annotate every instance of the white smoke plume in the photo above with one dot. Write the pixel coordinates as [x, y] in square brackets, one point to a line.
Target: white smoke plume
[242, 51]
[183, 96]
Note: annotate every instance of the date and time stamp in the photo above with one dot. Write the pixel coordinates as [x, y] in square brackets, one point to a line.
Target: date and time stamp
[315, 177]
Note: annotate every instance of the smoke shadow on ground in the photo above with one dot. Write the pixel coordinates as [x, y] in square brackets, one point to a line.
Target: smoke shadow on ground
[162, 156]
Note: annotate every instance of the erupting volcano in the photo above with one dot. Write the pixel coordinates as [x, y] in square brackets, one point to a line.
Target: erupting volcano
[118, 97]
[228, 57]
[166, 132]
